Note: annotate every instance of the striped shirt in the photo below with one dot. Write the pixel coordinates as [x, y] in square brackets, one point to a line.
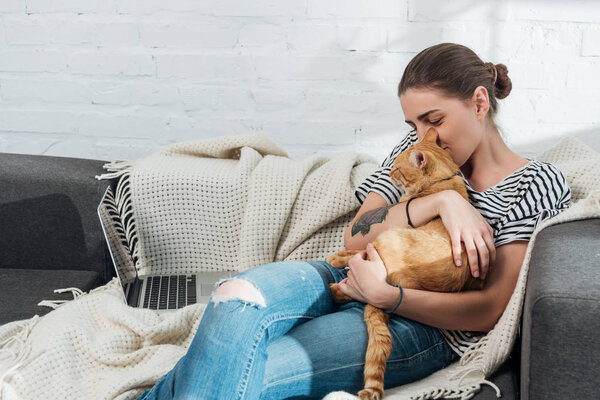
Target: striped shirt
[513, 207]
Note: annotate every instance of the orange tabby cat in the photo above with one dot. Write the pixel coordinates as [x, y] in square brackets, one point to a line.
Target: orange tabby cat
[419, 258]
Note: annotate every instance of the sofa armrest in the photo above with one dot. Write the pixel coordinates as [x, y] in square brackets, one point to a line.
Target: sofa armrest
[48, 214]
[561, 313]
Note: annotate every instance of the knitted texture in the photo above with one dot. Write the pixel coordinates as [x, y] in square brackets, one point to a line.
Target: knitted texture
[97, 347]
[187, 207]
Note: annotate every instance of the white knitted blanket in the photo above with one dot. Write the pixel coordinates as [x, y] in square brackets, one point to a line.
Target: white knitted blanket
[96, 347]
[235, 202]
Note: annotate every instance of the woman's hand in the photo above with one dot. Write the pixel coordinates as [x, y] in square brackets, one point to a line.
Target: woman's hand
[366, 276]
[465, 223]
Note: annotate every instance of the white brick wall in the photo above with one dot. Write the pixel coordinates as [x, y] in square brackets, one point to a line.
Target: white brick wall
[117, 79]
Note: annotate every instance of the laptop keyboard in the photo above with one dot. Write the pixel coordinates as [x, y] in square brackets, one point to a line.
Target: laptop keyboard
[170, 292]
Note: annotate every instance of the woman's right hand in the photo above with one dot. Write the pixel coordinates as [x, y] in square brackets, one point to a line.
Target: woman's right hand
[464, 223]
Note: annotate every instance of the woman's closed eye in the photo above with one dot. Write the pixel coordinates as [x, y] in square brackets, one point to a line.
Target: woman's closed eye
[436, 123]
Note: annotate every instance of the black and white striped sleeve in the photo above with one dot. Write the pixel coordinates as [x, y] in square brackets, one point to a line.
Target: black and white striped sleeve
[380, 181]
[546, 196]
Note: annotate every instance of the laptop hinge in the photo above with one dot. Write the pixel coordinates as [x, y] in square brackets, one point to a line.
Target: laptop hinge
[133, 295]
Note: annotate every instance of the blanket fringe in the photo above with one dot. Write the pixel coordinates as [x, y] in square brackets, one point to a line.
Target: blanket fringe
[15, 348]
[474, 351]
[464, 393]
[119, 167]
[113, 284]
[124, 204]
[57, 303]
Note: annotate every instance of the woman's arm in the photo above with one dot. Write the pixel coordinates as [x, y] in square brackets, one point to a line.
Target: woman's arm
[473, 310]
[376, 216]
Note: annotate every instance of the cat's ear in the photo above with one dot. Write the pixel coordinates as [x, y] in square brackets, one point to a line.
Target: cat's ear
[417, 158]
[431, 135]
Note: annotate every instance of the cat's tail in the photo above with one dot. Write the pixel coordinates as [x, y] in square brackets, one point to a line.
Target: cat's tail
[379, 349]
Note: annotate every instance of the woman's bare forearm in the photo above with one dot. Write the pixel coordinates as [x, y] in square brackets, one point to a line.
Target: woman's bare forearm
[367, 226]
[470, 310]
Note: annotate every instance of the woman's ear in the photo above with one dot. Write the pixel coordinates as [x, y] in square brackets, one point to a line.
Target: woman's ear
[417, 158]
[481, 101]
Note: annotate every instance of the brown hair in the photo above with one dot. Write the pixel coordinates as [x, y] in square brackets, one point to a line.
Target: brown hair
[455, 71]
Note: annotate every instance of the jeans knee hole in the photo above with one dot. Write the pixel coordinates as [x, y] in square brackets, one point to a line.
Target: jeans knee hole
[252, 295]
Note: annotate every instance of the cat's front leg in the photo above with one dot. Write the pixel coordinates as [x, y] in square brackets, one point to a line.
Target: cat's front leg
[341, 258]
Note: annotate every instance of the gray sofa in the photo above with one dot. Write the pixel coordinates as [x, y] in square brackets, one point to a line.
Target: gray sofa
[50, 237]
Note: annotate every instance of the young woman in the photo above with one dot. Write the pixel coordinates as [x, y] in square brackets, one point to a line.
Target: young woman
[274, 332]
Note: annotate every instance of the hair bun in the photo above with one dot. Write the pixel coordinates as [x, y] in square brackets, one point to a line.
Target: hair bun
[502, 82]
[492, 68]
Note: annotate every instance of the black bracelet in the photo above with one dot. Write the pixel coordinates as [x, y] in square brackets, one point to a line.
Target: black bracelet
[408, 216]
[399, 301]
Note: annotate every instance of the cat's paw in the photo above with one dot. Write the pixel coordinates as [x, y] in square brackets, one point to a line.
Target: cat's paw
[341, 258]
[337, 294]
[371, 394]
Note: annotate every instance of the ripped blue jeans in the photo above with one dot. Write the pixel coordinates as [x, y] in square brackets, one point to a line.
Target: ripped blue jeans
[297, 343]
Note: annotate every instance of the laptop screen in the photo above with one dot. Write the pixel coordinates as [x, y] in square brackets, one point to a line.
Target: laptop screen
[116, 239]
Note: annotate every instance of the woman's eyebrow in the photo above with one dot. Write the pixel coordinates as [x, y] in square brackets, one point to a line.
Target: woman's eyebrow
[420, 117]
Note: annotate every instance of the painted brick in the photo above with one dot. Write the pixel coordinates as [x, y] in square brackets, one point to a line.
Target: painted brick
[264, 37]
[362, 38]
[204, 67]
[412, 38]
[457, 10]
[34, 60]
[356, 9]
[71, 6]
[111, 77]
[111, 63]
[137, 125]
[573, 11]
[38, 119]
[52, 90]
[584, 76]
[133, 93]
[183, 35]
[12, 6]
[311, 38]
[115, 34]
[38, 30]
[590, 45]
[216, 99]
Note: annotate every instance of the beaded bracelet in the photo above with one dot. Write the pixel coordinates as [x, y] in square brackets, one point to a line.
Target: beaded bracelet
[399, 301]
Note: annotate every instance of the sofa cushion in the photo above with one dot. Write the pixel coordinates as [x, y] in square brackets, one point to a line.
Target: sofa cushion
[561, 313]
[22, 289]
[48, 214]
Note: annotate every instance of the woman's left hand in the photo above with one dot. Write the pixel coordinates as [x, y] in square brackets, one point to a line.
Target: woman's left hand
[366, 276]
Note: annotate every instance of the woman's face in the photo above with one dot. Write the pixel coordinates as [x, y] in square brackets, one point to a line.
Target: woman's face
[459, 127]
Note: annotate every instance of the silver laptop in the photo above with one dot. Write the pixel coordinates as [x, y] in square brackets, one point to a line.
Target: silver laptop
[163, 293]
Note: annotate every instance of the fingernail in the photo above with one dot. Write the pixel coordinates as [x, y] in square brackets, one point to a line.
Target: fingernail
[458, 262]
[476, 274]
